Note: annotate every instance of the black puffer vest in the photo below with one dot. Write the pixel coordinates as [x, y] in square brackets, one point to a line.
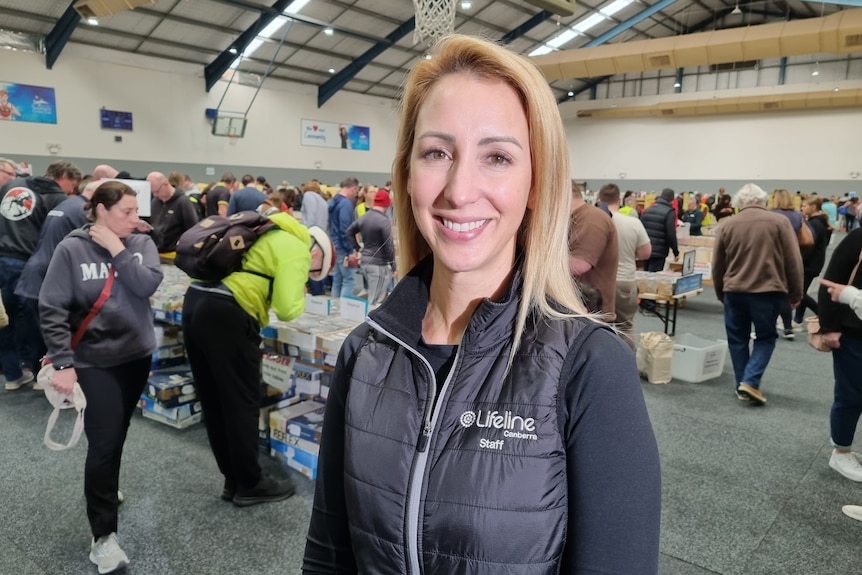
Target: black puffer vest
[474, 481]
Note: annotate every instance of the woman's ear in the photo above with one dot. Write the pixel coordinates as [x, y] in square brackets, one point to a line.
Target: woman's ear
[531, 200]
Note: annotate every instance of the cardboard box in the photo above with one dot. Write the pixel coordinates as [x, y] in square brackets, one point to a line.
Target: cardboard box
[180, 416]
[279, 418]
[263, 429]
[172, 387]
[688, 283]
[164, 315]
[277, 371]
[168, 356]
[307, 379]
[183, 424]
[696, 359]
[307, 426]
[167, 335]
[297, 454]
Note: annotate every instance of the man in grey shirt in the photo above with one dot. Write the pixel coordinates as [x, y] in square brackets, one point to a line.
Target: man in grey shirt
[315, 212]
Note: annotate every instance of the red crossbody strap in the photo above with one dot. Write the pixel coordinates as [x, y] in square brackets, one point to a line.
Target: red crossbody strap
[103, 297]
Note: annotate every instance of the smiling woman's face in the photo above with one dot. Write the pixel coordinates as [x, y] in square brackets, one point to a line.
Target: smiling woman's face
[470, 173]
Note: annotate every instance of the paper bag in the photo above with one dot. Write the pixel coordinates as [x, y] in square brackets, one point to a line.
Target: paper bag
[655, 356]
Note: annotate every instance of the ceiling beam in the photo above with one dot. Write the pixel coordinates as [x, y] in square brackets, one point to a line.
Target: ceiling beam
[339, 80]
[214, 70]
[56, 40]
[853, 3]
[700, 26]
[526, 27]
[633, 21]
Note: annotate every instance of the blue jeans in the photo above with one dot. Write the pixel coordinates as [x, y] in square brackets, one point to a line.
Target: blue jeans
[343, 278]
[317, 287]
[847, 405]
[741, 310]
[21, 336]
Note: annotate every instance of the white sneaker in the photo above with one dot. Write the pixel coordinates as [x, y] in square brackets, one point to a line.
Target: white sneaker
[847, 465]
[853, 511]
[107, 555]
[20, 382]
[798, 327]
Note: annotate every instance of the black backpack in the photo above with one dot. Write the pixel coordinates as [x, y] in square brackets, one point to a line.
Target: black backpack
[213, 248]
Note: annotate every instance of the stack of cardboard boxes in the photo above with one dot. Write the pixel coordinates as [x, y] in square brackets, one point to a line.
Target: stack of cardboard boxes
[308, 348]
[298, 359]
[170, 398]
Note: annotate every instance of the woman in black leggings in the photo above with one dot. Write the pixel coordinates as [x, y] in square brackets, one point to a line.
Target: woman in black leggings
[109, 356]
[813, 259]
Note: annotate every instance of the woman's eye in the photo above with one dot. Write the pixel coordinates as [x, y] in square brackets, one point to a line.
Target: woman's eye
[498, 159]
[434, 155]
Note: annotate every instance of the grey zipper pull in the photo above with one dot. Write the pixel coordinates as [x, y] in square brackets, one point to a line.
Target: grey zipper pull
[426, 435]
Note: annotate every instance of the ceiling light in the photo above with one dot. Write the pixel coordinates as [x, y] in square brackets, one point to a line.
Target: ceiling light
[564, 37]
[615, 7]
[677, 85]
[466, 5]
[589, 22]
[736, 10]
[332, 70]
[427, 56]
[232, 50]
[815, 73]
[328, 31]
[541, 51]
[92, 21]
[295, 6]
[571, 94]
[835, 89]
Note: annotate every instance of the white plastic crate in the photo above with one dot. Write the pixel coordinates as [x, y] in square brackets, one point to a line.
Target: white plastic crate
[696, 359]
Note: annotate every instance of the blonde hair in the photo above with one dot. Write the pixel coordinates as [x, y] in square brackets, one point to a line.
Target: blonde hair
[781, 200]
[543, 234]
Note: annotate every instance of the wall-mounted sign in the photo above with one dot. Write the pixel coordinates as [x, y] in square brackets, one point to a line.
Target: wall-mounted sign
[23, 103]
[114, 120]
[331, 135]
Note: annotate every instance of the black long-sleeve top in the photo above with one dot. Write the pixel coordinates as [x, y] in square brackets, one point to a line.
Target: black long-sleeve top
[834, 316]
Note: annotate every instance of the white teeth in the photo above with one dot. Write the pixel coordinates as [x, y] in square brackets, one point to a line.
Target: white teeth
[465, 227]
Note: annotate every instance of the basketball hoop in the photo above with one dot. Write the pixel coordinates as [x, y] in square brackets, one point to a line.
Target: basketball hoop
[434, 19]
[232, 139]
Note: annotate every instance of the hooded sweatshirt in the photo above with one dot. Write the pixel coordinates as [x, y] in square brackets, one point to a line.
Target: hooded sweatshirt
[24, 205]
[122, 330]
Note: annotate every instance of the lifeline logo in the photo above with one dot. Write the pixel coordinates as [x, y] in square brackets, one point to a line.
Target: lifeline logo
[514, 426]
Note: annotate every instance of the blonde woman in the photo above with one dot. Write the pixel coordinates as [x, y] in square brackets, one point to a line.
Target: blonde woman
[480, 422]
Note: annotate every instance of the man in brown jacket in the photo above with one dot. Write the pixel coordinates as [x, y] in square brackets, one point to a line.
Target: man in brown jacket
[755, 264]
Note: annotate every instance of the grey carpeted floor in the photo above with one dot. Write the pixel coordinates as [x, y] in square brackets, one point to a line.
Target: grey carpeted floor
[747, 490]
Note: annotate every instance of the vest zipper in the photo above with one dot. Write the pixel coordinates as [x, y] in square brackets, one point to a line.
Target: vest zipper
[418, 473]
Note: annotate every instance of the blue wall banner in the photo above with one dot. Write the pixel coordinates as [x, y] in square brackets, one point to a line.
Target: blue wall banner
[23, 103]
[331, 135]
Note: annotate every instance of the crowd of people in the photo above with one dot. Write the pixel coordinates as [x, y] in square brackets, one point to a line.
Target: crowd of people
[499, 357]
[77, 269]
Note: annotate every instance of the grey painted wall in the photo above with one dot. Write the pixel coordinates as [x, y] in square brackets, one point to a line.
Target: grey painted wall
[198, 172]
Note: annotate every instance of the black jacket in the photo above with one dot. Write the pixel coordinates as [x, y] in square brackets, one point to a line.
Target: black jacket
[525, 473]
[834, 316]
[814, 258]
[170, 219]
[660, 222]
[24, 205]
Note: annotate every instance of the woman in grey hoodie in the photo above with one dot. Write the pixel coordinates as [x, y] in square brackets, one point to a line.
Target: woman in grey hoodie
[110, 358]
